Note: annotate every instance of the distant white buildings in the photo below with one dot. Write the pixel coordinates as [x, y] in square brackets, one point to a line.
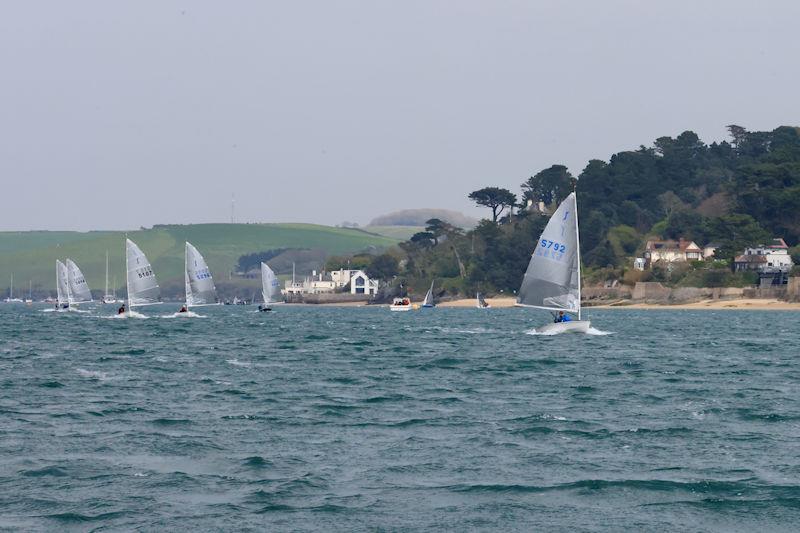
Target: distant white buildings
[772, 258]
[671, 251]
[328, 282]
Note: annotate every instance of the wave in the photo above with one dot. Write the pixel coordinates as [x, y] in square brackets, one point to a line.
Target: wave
[92, 374]
[656, 485]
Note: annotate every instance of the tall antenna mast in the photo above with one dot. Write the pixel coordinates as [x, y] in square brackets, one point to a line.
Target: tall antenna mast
[233, 209]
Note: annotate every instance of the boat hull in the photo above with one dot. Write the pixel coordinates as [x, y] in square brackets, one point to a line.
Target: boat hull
[573, 326]
[400, 308]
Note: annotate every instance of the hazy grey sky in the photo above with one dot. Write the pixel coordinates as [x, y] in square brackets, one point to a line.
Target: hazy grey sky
[124, 114]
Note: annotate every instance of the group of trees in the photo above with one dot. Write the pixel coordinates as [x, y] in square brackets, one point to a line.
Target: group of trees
[733, 194]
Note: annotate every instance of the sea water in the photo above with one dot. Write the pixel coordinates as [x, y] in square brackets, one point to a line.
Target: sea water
[345, 419]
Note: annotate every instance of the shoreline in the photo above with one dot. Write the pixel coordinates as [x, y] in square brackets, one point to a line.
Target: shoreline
[755, 304]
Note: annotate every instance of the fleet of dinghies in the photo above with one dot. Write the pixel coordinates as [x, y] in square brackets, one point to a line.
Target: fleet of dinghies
[552, 280]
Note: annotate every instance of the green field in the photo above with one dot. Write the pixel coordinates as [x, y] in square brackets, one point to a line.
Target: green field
[32, 255]
[402, 233]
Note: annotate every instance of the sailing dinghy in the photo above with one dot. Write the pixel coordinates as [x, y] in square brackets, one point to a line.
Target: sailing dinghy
[62, 286]
[481, 302]
[270, 288]
[553, 278]
[141, 281]
[200, 289]
[428, 301]
[78, 289]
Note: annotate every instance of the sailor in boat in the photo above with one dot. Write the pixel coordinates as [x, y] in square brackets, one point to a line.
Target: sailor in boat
[264, 307]
[121, 310]
[184, 309]
[561, 317]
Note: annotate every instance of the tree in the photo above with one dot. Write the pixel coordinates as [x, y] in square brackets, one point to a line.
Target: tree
[495, 198]
[549, 186]
[423, 239]
[384, 266]
[439, 228]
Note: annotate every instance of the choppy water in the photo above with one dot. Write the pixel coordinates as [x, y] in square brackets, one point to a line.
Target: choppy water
[344, 419]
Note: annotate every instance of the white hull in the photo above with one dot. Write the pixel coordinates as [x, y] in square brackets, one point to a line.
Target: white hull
[573, 326]
[400, 308]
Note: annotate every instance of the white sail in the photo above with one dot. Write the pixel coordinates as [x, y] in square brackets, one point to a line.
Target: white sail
[78, 288]
[62, 286]
[270, 288]
[428, 301]
[200, 288]
[552, 280]
[142, 285]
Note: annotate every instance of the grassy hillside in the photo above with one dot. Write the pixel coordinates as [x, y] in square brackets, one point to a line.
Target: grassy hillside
[395, 232]
[32, 255]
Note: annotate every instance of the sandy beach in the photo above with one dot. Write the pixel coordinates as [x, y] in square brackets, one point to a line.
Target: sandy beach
[754, 304]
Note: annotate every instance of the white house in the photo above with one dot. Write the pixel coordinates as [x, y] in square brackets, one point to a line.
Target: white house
[672, 251]
[361, 284]
[322, 282]
[765, 259]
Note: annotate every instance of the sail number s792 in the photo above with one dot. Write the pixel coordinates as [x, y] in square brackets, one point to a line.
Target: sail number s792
[552, 245]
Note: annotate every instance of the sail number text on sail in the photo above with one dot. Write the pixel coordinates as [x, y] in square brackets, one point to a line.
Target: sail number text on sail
[551, 249]
[202, 274]
[144, 272]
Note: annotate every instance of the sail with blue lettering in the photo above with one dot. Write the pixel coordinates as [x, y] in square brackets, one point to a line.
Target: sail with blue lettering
[200, 289]
[552, 280]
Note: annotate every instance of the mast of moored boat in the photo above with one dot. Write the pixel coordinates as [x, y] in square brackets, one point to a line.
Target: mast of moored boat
[578, 250]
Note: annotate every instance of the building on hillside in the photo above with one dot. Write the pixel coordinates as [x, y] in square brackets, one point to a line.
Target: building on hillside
[709, 250]
[639, 263]
[772, 262]
[671, 251]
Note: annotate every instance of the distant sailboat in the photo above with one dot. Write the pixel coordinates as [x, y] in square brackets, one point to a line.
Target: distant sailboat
[109, 298]
[11, 298]
[200, 289]
[141, 281]
[78, 288]
[481, 303]
[553, 278]
[428, 301]
[270, 288]
[62, 286]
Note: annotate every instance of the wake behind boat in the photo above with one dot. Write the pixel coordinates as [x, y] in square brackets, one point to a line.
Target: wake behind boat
[553, 278]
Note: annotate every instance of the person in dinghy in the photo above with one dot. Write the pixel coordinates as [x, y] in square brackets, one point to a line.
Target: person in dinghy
[561, 317]
[183, 309]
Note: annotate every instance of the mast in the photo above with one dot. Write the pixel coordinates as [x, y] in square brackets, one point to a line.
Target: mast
[578, 240]
[187, 288]
[106, 293]
[69, 291]
[127, 279]
[11, 289]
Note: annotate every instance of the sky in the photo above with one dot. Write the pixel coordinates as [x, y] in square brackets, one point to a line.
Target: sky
[116, 115]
